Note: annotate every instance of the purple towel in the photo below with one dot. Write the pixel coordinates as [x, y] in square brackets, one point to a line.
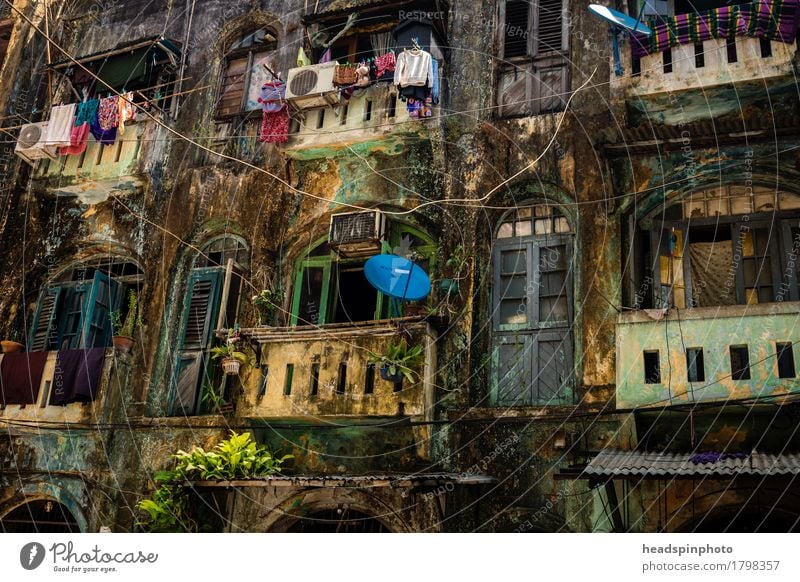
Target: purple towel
[20, 377]
[77, 375]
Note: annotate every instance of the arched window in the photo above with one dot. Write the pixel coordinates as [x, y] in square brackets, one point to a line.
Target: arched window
[727, 245]
[532, 307]
[75, 309]
[212, 303]
[245, 73]
[333, 289]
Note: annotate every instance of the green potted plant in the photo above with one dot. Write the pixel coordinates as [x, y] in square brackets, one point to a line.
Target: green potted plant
[266, 302]
[123, 331]
[398, 361]
[232, 357]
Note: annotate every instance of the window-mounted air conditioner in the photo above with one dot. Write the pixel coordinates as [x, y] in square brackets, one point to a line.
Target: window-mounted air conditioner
[357, 234]
[31, 145]
[312, 86]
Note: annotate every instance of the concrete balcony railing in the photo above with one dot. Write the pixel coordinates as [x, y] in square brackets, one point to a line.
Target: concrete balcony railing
[372, 113]
[43, 411]
[689, 67]
[324, 371]
[653, 368]
[101, 170]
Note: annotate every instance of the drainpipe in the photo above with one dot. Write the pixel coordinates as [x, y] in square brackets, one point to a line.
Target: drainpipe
[184, 49]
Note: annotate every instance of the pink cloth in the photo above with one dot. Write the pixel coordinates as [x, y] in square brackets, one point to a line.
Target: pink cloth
[108, 113]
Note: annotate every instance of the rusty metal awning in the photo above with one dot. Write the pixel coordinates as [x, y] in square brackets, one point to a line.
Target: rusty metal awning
[356, 481]
[612, 463]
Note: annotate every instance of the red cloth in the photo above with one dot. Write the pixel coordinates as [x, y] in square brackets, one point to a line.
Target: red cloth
[20, 377]
[79, 137]
[274, 127]
[385, 63]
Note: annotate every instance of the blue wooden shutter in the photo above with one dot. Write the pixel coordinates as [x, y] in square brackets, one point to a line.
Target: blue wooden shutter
[197, 328]
[43, 331]
[96, 323]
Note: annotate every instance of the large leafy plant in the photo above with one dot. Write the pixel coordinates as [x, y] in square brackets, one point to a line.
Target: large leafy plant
[399, 358]
[238, 457]
[133, 319]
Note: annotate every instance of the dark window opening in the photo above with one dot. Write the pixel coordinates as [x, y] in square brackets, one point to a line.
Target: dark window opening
[262, 386]
[636, 67]
[695, 366]
[786, 367]
[740, 363]
[730, 47]
[341, 520]
[314, 379]
[692, 6]
[515, 43]
[391, 107]
[320, 119]
[667, 60]
[699, 55]
[345, 111]
[766, 47]
[40, 516]
[652, 367]
[287, 381]
[356, 299]
[369, 381]
[367, 110]
[311, 296]
[341, 381]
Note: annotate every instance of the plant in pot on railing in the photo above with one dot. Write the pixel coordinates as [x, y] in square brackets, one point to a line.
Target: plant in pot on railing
[266, 303]
[232, 356]
[12, 344]
[398, 362]
[124, 331]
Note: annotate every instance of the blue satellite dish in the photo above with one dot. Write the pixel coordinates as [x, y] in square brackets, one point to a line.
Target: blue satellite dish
[620, 20]
[620, 23]
[397, 277]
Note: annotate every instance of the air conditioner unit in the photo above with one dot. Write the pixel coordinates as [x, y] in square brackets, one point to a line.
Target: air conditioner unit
[31, 143]
[312, 86]
[357, 234]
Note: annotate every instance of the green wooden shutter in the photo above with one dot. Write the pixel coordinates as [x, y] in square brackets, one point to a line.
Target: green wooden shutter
[96, 322]
[43, 329]
[197, 329]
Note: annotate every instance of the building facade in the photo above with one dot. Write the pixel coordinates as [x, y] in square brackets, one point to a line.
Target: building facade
[610, 339]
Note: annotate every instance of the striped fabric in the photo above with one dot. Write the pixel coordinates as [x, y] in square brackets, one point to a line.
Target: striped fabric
[770, 19]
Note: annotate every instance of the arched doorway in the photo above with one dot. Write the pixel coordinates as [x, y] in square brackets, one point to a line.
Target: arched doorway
[39, 516]
[341, 520]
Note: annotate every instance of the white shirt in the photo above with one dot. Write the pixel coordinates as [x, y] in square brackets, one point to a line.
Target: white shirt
[414, 68]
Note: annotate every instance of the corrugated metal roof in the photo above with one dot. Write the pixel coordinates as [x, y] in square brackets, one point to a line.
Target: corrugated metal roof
[374, 480]
[612, 462]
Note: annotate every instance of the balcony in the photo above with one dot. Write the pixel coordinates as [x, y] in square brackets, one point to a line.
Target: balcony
[687, 67]
[100, 171]
[373, 113]
[323, 371]
[733, 353]
[41, 410]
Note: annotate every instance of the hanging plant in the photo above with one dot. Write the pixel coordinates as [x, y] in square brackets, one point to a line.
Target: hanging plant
[231, 355]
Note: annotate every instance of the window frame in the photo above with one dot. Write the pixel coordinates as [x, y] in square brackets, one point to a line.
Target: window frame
[535, 332]
[778, 223]
[234, 54]
[328, 296]
[218, 308]
[532, 65]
